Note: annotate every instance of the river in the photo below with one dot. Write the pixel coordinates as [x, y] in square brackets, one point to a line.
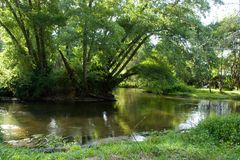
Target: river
[133, 112]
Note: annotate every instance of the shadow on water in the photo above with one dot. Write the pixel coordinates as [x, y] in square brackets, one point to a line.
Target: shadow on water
[86, 120]
[90, 121]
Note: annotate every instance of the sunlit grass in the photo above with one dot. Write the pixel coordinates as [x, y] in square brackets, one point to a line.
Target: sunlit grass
[204, 93]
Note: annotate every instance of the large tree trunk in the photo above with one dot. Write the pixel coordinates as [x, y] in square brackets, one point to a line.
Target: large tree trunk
[86, 53]
[42, 51]
[70, 72]
[84, 65]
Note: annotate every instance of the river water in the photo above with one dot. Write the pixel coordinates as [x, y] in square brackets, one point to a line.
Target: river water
[133, 112]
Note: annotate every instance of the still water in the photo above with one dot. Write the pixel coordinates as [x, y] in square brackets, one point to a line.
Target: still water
[134, 111]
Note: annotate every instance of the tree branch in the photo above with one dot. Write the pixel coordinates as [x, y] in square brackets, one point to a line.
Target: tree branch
[14, 39]
[69, 70]
[123, 54]
[22, 27]
[132, 55]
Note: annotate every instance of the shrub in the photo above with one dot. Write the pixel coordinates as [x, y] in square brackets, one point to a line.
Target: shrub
[156, 78]
[222, 129]
[178, 87]
[4, 92]
[1, 135]
[29, 85]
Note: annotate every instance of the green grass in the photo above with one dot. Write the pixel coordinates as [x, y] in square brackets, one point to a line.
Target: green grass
[205, 94]
[214, 138]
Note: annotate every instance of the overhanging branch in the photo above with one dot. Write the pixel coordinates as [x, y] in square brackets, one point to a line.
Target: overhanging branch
[14, 39]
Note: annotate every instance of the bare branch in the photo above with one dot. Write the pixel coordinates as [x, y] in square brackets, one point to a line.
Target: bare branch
[123, 53]
[134, 52]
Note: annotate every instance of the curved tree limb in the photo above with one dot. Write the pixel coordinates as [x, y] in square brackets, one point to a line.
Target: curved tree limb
[14, 39]
[134, 52]
[69, 70]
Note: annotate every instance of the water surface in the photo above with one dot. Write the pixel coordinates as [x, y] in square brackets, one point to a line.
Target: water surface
[134, 111]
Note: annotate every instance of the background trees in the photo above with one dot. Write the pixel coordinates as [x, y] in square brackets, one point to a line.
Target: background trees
[226, 37]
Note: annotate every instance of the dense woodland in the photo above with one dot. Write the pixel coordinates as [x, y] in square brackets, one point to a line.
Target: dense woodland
[85, 47]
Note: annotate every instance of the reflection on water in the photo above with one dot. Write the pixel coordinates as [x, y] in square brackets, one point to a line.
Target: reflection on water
[53, 127]
[133, 112]
[205, 108]
[9, 127]
[193, 119]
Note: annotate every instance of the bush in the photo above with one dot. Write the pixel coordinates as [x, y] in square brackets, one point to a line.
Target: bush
[29, 85]
[1, 135]
[222, 129]
[4, 92]
[180, 87]
[156, 78]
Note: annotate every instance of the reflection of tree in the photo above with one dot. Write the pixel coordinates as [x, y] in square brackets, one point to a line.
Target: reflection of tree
[206, 108]
[193, 119]
[12, 128]
[53, 127]
[89, 121]
[160, 113]
[84, 120]
[214, 107]
[123, 125]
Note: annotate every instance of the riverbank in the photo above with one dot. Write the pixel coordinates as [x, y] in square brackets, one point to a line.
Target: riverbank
[192, 92]
[56, 99]
[209, 140]
[203, 93]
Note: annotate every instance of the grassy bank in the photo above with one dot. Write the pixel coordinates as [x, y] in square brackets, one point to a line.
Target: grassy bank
[182, 90]
[205, 94]
[215, 138]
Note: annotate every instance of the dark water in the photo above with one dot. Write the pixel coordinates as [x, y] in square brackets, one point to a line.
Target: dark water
[134, 111]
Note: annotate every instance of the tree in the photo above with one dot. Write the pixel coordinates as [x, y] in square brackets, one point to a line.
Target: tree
[30, 25]
[96, 40]
[226, 34]
[115, 35]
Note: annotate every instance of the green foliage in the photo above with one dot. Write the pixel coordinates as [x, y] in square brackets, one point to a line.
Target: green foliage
[1, 135]
[178, 87]
[51, 140]
[96, 80]
[1, 45]
[221, 129]
[157, 75]
[30, 86]
[59, 84]
[102, 43]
